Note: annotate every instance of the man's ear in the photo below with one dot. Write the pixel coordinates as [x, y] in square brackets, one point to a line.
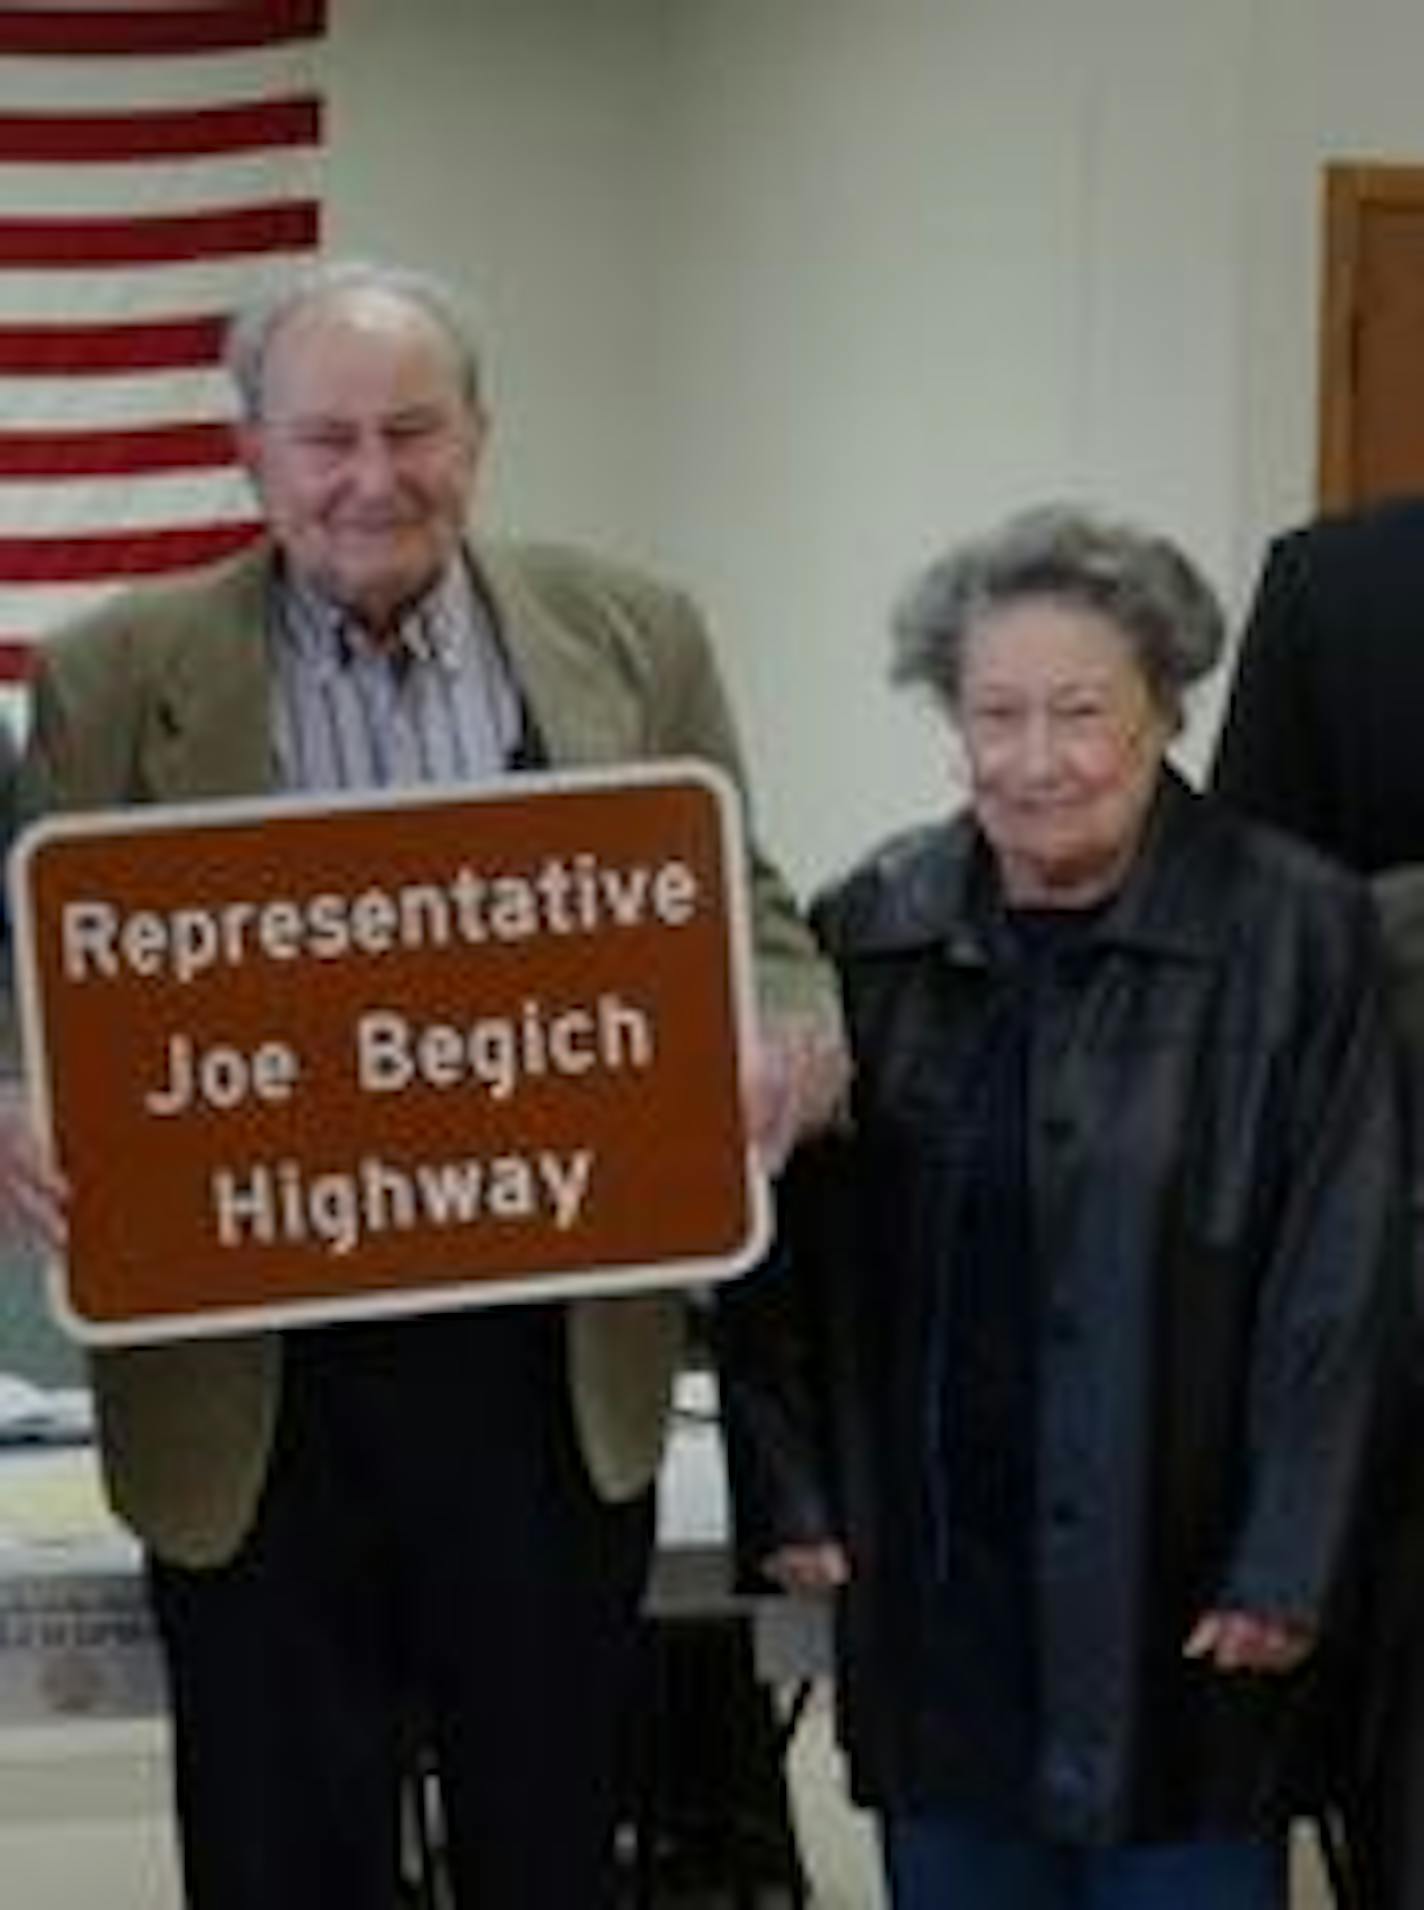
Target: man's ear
[479, 435]
[248, 438]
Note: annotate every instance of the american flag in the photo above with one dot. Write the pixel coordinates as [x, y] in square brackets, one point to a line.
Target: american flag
[155, 161]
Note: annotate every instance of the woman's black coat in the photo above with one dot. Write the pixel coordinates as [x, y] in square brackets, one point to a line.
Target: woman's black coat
[1214, 1179]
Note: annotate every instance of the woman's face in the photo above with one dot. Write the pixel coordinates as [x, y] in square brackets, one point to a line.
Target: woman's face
[1065, 743]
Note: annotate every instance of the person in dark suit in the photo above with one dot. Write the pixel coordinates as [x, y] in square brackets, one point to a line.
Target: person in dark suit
[1322, 737]
[1322, 733]
[458, 1506]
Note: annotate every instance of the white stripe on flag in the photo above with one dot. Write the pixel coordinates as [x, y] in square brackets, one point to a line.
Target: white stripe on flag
[85, 295]
[70, 505]
[28, 607]
[15, 711]
[135, 398]
[149, 186]
[39, 84]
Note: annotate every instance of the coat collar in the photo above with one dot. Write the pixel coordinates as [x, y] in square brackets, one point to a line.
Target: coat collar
[212, 734]
[560, 679]
[933, 887]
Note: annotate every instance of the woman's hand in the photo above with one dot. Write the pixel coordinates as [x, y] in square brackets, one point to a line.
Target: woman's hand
[819, 1567]
[1244, 1641]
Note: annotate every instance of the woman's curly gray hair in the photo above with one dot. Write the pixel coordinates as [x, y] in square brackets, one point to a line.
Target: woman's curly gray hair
[1139, 582]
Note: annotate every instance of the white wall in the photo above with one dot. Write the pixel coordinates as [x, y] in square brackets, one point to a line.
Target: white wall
[784, 294]
[506, 145]
[934, 264]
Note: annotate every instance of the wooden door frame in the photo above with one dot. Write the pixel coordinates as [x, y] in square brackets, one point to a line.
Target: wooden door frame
[1349, 187]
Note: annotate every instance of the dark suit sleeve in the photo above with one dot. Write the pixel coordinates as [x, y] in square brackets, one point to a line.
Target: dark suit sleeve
[1272, 761]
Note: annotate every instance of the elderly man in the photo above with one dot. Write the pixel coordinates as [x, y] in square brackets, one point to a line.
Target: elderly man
[457, 1509]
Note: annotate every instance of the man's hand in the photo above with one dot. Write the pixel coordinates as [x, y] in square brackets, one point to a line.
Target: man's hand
[32, 1190]
[795, 1085]
[1244, 1641]
[818, 1567]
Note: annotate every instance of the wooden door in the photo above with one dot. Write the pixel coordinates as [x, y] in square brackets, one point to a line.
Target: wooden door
[1372, 335]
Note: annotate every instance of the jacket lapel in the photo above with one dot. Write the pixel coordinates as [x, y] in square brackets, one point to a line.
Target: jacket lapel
[210, 734]
[582, 709]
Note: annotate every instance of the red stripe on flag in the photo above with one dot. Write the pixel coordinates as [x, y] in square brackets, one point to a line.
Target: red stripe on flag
[163, 447]
[157, 344]
[17, 660]
[73, 138]
[165, 29]
[119, 554]
[284, 226]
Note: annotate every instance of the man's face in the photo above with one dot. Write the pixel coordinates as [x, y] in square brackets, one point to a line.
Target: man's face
[366, 451]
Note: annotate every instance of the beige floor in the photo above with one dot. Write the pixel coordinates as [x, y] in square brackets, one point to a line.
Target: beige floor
[838, 1845]
[84, 1822]
[837, 1842]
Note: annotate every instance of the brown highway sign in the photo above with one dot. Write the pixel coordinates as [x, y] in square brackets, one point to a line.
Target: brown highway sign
[303, 1061]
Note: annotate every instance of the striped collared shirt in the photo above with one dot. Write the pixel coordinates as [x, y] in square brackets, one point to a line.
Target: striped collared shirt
[436, 703]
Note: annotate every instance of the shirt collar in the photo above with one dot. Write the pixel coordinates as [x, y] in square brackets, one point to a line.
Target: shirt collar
[434, 629]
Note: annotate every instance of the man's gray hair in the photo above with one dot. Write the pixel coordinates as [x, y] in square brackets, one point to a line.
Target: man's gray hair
[252, 329]
[1139, 582]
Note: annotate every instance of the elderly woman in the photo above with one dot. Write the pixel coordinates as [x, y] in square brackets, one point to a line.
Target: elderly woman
[1097, 1271]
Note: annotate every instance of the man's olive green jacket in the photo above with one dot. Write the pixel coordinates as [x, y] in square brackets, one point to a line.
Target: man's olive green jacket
[166, 697]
